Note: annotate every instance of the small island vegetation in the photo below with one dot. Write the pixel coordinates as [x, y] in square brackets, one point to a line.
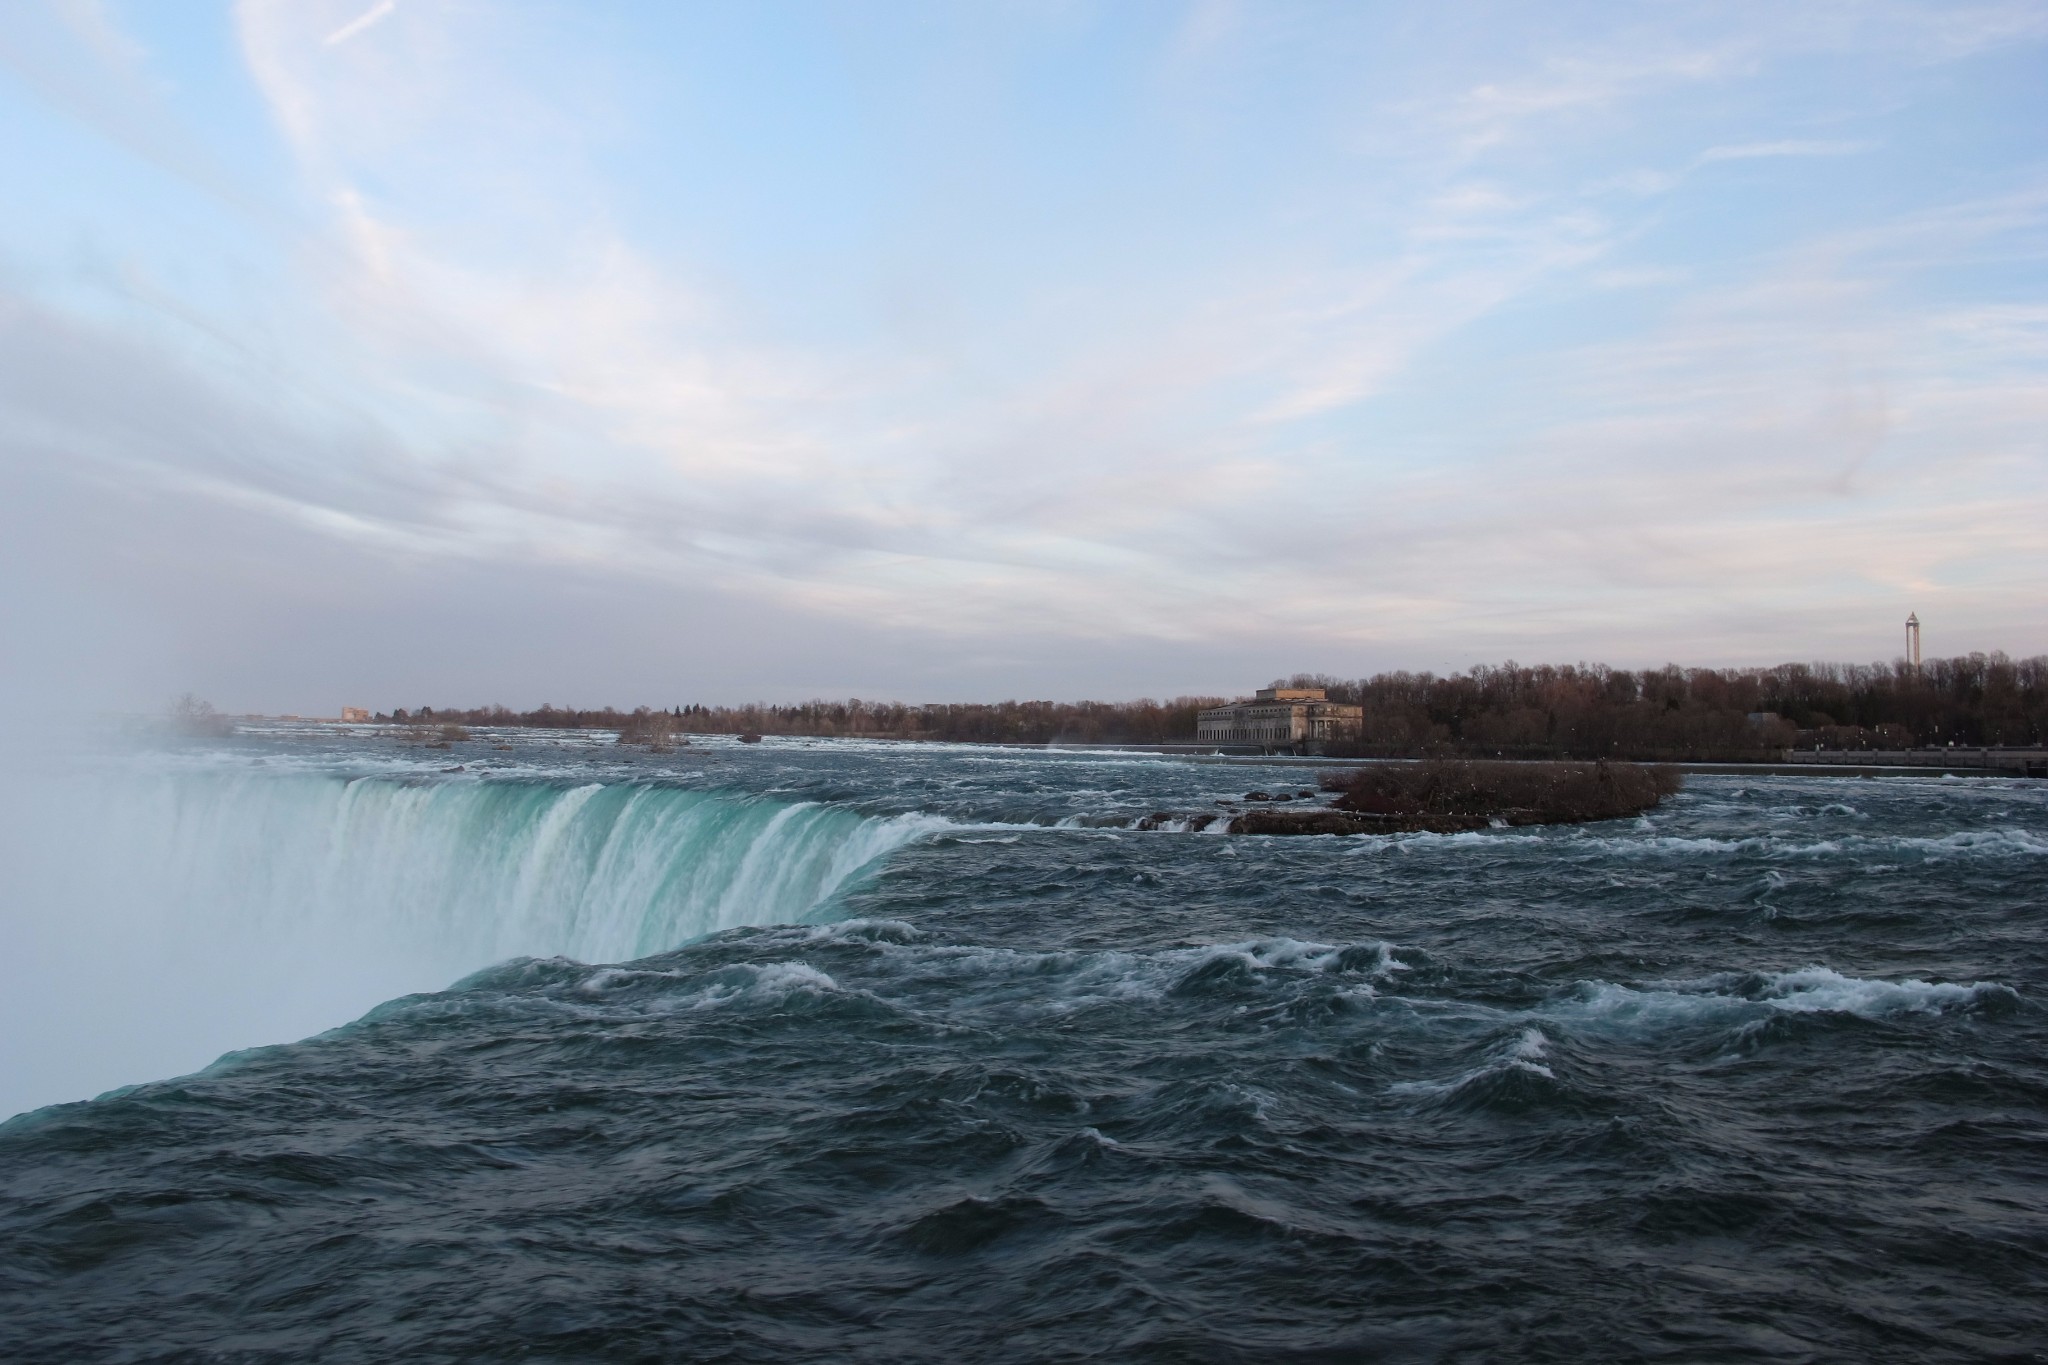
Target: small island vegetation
[1445, 795]
[1513, 793]
[196, 717]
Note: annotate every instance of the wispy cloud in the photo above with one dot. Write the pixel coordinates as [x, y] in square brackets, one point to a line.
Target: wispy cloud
[1752, 151]
[92, 23]
[370, 17]
[1496, 112]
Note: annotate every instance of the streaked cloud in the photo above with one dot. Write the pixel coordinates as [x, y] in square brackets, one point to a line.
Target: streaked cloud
[375, 14]
[1752, 151]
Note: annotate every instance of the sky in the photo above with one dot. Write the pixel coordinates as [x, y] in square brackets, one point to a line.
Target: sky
[389, 353]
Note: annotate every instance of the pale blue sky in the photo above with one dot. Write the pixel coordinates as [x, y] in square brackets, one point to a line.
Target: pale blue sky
[407, 352]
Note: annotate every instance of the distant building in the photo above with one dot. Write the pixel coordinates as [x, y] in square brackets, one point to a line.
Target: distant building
[1913, 639]
[1281, 717]
[354, 714]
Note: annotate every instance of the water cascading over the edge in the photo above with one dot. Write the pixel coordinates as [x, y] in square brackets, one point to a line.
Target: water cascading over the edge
[156, 918]
[479, 871]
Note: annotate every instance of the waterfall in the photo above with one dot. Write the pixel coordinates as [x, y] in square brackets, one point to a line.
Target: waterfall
[158, 917]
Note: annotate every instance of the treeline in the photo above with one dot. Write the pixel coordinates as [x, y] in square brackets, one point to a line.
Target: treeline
[1592, 711]
[1509, 710]
[1008, 722]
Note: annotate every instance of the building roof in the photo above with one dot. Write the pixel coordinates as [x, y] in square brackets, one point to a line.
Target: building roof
[1286, 701]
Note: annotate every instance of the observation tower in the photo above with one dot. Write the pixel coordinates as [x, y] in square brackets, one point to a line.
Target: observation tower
[1913, 640]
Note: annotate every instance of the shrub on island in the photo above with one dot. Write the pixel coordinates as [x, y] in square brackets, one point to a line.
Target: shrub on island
[1446, 796]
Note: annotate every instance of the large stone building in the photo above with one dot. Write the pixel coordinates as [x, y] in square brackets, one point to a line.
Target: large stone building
[1281, 717]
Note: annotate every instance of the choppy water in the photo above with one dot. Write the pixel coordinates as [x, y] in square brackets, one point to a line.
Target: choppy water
[814, 1052]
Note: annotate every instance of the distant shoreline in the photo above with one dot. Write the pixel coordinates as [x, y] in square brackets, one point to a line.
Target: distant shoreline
[1976, 761]
[1873, 715]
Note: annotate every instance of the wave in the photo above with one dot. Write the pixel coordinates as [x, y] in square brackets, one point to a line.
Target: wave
[1644, 842]
[1754, 995]
[1025, 983]
[1986, 843]
[1281, 973]
[1517, 1077]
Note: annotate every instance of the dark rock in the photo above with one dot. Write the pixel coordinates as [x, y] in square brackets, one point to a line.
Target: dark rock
[1197, 820]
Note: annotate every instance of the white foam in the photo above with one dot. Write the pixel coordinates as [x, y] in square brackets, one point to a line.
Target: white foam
[1065, 981]
[1464, 840]
[755, 982]
[1810, 990]
[1605, 1003]
[1816, 989]
[1993, 842]
[610, 978]
[1978, 843]
[884, 929]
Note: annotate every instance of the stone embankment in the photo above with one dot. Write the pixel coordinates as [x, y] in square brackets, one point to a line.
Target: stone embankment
[2024, 762]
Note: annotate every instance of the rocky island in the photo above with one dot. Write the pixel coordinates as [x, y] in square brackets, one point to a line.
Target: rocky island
[1448, 796]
